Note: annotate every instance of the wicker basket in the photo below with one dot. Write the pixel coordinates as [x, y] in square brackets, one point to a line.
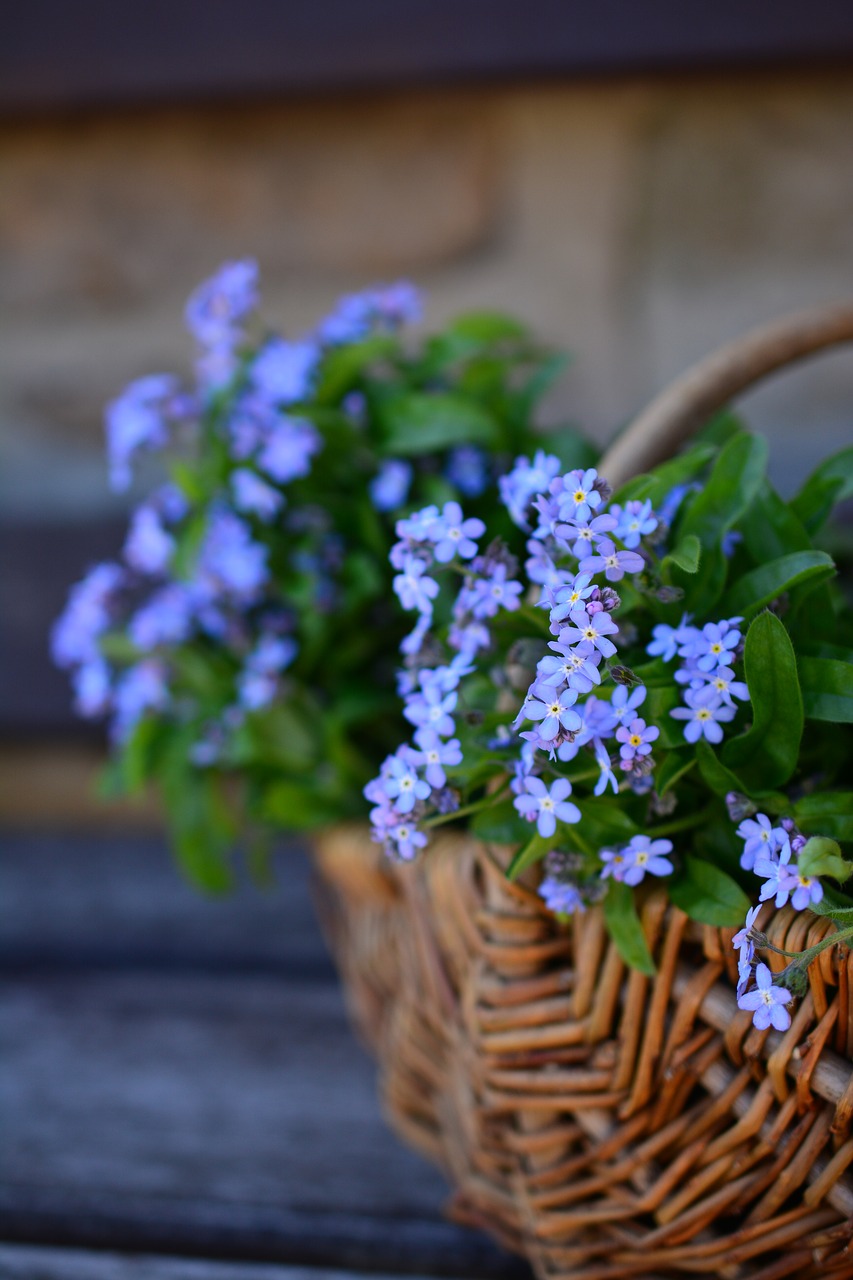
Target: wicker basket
[600, 1122]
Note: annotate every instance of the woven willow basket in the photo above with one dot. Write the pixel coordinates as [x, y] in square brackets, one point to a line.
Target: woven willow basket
[603, 1123]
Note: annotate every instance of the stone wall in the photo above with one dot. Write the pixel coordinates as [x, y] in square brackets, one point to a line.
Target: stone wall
[638, 223]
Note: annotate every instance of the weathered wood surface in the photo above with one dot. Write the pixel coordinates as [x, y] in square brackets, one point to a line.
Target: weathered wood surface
[25, 1262]
[178, 1078]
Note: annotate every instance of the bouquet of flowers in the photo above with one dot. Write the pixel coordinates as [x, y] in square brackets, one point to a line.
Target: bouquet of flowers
[647, 686]
[243, 646]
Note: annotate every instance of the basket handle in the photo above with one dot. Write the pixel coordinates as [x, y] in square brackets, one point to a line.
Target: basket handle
[707, 386]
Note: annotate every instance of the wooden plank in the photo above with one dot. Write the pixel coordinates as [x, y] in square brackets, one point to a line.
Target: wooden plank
[178, 1076]
[94, 51]
[108, 899]
[212, 1114]
[21, 1262]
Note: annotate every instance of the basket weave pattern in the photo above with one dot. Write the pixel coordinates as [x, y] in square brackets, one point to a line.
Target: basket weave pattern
[603, 1123]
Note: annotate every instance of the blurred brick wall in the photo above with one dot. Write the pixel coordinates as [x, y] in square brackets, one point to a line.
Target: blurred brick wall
[637, 223]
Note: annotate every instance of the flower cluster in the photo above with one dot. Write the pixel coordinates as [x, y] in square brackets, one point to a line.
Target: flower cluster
[593, 715]
[248, 624]
[706, 673]
[571, 524]
[772, 854]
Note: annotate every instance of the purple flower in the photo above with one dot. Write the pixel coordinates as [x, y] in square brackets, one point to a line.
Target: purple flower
[666, 640]
[283, 371]
[384, 307]
[416, 528]
[288, 450]
[414, 588]
[137, 420]
[606, 778]
[254, 495]
[640, 857]
[625, 701]
[273, 654]
[703, 714]
[556, 713]
[762, 839]
[585, 534]
[545, 807]
[453, 535]
[524, 482]
[216, 310]
[714, 645]
[492, 593]
[389, 488]
[578, 497]
[744, 945]
[148, 547]
[780, 880]
[431, 710]
[565, 599]
[594, 630]
[404, 840]
[636, 741]
[92, 688]
[141, 688]
[230, 561]
[807, 891]
[634, 522]
[466, 469]
[560, 896]
[165, 618]
[435, 754]
[86, 616]
[403, 786]
[766, 1002]
[723, 682]
[614, 563]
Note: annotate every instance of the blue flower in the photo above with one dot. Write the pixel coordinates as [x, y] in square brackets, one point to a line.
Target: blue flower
[435, 754]
[536, 803]
[165, 618]
[139, 689]
[524, 482]
[561, 896]
[636, 742]
[634, 521]
[594, 630]
[383, 307]
[762, 839]
[766, 1002]
[432, 710]
[148, 547]
[555, 711]
[216, 310]
[640, 857]
[283, 372]
[92, 685]
[254, 495]
[466, 469]
[704, 714]
[413, 586]
[137, 420]
[86, 616]
[584, 535]
[453, 535]
[614, 563]
[289, 448]
[490, 594]
[577, 495]
[230, 561]
[402, 784]
[389, 488]
[403, 841]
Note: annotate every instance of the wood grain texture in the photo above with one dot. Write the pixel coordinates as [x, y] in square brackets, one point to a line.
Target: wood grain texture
[178, 1077]
[22, 1262]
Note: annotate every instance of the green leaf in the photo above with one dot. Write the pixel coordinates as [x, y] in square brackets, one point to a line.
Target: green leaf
[674, 767]
[294, 806]
[766, 755]
[830, 483]
[686, 555]
[487, 327]
[624, 927]
[415, 423]
[827, 686]
[821, 856]
[657, 484]
[707, 894]
[770, 528]
[835, 905]
[768, 581]
[714, 773]
[538, 384]
[603, 822]
[826, 813]
[344, 366]
[501, 824]
[534, 851]
[733, 483]
[572, 448]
